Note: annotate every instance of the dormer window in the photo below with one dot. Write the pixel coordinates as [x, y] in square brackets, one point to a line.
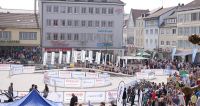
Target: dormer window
[90, 0]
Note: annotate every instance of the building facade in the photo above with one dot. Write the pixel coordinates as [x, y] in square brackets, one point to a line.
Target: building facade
[82, 24]
[152, 27]
[168, 33]
[188, 23]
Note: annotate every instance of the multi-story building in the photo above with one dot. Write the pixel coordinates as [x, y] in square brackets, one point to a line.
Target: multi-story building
[168, 33]
[18, 31]
[152, 27]
[132, 27]
[139, 31]
[188, 23]
[82, 24]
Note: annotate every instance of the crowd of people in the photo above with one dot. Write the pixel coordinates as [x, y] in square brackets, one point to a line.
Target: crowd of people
[20, 55]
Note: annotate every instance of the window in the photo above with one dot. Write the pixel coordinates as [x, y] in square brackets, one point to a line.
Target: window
[90, 37]
[91, 10]
[146, 41]
[97, 10]
[180, 31]
[173, 43]
[69, 22]
[76, 10]
[28, 35]
[63, 22]
[55, 36]
[76, 36]
[151, 41]
[83, 23]
[173, 31]
[5, 35]
[104, 10]
[76, 23]
[151, 31]
[55, 22]
[62, 36]
[194, 17]
[147, 31]
[62, 9]
[110, 23]
[49, 8]
[103, 23]
[90, 0]
[89, 23]
[168, 43]
[69, 36]
[110, 11]
[156, 31]
[162, 43]
[96, 23]
[48, 22]
[104, 1]
[55, 9]
[83, 10]
[48, 37]
[162, 31]
[69, 10]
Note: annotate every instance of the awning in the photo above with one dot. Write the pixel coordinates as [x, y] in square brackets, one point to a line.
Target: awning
[183, 53]
[133, 58]
[144, 54]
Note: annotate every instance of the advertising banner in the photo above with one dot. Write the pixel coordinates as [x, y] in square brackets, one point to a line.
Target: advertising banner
[16, 69]
[45, 58]
[140, 75]
[120, 93]
[194, 53]
[104, 75]
[52, 57]
[4, 67]
[80, 95]
[53, 73]
[111, 95]
[57, 82]
[78, 74]
[159, 72]
[28, 69]
[22, 94]
[83, 55]
[107, 81]
[95, 97]
[78, 55]
[88, 83]
[90, 56]
[72, 83]
[100, 82]
[91, 75]
[68, 57]
[60, 57]
[65, 74]
[56, 96]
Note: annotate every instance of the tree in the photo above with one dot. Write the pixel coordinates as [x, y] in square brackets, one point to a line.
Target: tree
[194, 39]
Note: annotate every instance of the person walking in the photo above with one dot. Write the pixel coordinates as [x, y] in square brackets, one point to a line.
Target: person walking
[129, 94]
[73, 100]
[10, 90]
[133, 96]
[46, 91]
[124, 97]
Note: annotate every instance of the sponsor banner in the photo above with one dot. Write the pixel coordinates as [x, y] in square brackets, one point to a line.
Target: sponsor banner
[16, 69]
[57, 82]
[80, 95]
[91, 75]
[147, 70]
[111, 95]
[140, 75]
[95, 97]
[53, 73]
[99, 82]
[107, 81]
[88, 83]
[22, 94]
[56, 96]
[28, 69]
[65, 74]
[4, 67]
[159, 72]
[104, 75]
[120, 93]
[72, 83]
[78, 74]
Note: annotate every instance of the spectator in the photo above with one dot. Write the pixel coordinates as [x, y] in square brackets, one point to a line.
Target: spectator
[10, 90]
[73, 100]
[32, 87]
[124, 97]
[102, 104]
[46, 91]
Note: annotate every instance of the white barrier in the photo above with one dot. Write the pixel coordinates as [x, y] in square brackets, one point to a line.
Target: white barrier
[76, 79]
[147, 76]
[159, 72]
[4, 67]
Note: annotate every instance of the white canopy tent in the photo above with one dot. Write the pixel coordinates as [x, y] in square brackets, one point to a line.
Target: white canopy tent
[126, 58]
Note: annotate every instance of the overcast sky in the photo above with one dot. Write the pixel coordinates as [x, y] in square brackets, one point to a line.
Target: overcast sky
[136, 4]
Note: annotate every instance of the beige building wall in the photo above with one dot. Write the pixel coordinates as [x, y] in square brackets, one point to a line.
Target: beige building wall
[15, 37]
[139, 33]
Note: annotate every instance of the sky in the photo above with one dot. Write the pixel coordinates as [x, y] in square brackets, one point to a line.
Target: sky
[135, 4]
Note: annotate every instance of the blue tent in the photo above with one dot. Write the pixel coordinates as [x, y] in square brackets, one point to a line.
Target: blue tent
[32, 99]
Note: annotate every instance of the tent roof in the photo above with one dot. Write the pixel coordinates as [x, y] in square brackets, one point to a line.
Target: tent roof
[144, 54]
[183, 53]
[32, 99]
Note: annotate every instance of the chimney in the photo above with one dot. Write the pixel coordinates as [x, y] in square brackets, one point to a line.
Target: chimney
[182, 4]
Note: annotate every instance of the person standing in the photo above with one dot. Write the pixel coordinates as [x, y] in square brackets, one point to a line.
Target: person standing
[129, 94]
[124, 97]
[10, 90]
[73, 100]
[46, 91]
[133, 96]
[32, 87]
